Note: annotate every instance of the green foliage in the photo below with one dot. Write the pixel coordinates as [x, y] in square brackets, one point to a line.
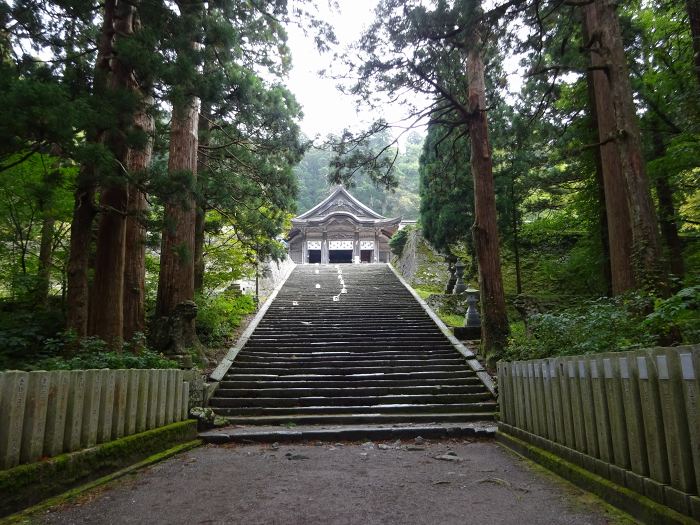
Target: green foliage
[446, 189]
[34, 341]
[219, 315]
[37, 189]
[609, 325]
[96, 356]
[678, 314]
[398, 241]
[24, 333]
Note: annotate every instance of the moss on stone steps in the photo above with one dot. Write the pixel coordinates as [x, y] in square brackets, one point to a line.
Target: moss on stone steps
[26, 485]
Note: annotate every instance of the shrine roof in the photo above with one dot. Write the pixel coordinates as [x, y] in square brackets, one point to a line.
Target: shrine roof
[341, 202]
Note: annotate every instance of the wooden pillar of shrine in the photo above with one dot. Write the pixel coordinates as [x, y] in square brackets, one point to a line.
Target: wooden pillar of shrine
[324, 248]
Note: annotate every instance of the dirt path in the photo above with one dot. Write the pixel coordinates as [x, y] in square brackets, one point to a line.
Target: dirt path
[445, 482]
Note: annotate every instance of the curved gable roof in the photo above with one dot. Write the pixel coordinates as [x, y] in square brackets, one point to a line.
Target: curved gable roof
[336, 195]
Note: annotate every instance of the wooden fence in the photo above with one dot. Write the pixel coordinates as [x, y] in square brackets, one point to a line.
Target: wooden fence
[632, 417]
[43, 414]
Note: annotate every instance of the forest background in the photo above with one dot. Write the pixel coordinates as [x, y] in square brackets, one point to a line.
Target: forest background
[150, 155]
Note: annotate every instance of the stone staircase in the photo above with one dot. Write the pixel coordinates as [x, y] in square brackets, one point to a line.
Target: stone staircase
[369, 355]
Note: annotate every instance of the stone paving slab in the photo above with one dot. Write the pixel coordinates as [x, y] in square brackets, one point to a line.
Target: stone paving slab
[430, 482]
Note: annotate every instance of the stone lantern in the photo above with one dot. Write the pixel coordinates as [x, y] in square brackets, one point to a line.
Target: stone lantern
[459, 284]
[452, 280]
[472, 320]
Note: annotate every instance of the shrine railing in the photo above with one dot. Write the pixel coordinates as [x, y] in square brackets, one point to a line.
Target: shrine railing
[43, 414]
[630, 417]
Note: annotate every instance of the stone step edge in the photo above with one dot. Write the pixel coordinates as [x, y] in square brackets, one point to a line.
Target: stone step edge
[223, 367]
[349, 433]
[472, 361]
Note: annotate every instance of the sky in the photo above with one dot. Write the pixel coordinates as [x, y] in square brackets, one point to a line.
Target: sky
[327, 110]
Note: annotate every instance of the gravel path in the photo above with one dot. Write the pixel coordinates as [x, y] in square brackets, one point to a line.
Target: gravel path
[442, 482]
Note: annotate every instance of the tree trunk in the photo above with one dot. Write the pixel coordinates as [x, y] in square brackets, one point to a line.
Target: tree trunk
[693, 8]
[79, 259]
[45, 256]
[646, 251]
[485, 230]
[135, 258]
[84, 208]
[199, 249]
[203, 135]
[615, 190]
[603, 227]
[46, 244]
[106, 319]
[600, 186]
[667, 212]
[176, 278]
[516, 241]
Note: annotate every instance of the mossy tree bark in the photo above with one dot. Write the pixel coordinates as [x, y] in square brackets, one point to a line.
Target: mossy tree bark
[693, 8]
[606, 40]
[667, 211]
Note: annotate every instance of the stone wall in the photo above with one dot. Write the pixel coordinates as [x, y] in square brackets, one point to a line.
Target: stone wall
[420, 264]
[273, 275]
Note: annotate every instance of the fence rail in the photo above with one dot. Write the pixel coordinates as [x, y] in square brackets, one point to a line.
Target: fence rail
[43, 414]
[633, 417]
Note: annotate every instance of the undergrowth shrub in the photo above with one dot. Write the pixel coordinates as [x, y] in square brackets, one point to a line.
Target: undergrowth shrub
[219, 315]
[66, 351]
[24, 332]
[609, 325]
[115, 360]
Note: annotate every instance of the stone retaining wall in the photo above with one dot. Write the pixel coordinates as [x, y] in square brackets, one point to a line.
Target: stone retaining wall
[630, 417]
[43, 414]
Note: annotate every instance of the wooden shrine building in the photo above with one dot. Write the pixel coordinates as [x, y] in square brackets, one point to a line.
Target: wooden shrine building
[341, 229]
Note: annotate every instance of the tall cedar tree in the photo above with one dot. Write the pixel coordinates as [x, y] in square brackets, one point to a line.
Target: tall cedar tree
[615, 190]
[176, 277]
[606, 40]
[485, 230]
[139, 162]
[106, 318]
[84, 211]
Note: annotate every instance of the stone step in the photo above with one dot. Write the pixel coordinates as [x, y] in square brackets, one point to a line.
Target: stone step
[416, 376]
[222, 400]
[250, 368]
[348, 356]
[354, 419]
[310, 363]
[335, 434]
[311, 336]
[357, 409]
[374, 356]
[355, 385]
[345, 392]
[339, 347]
